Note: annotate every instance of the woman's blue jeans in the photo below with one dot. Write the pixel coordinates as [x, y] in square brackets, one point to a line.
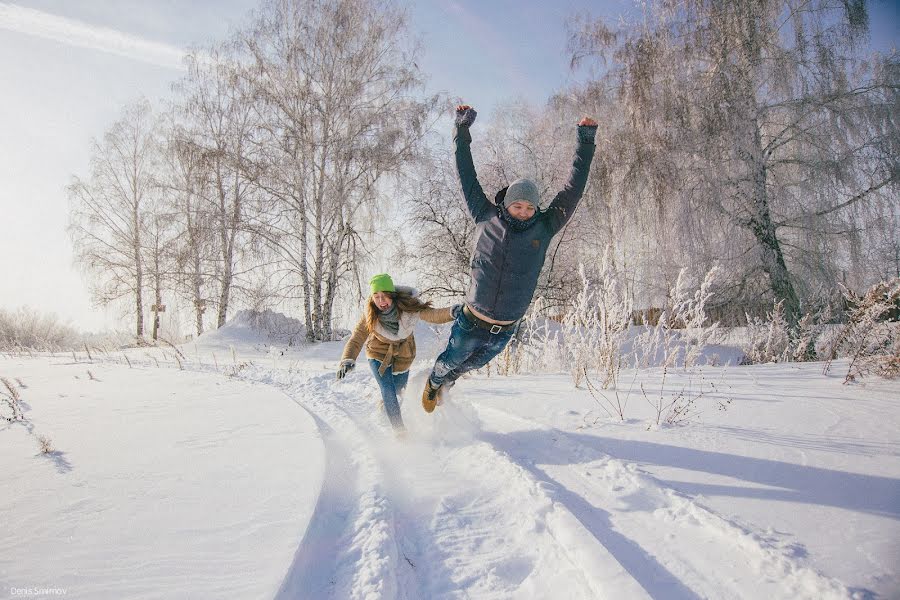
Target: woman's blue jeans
[391, 386]
[470, 347]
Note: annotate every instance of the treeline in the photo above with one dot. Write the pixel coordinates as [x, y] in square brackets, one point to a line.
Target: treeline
[757, 137]
[259, 180]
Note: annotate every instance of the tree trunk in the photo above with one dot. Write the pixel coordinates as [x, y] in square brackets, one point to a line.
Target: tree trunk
[227, 254]
[763, 229]
[304, 275]
[199, 305]
[139, 308]
[334, 262]
[319, 251]
[157, 281]
[139, 275]
[224, 297]
[195, 246]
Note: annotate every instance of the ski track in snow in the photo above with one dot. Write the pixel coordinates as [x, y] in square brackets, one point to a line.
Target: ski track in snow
[458, 510]
[725, 561]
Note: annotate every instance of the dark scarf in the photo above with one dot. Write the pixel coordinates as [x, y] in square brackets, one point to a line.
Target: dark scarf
[390, 319]
[514, 223]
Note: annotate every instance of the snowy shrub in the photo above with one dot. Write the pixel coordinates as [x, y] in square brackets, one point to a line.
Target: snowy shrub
[771, 339]
[683, 328]
[768, 339]
[26, 328]
[614, 402]
[587, 338]
[596, 326]
[178, 354]
[684, 404]
[597, 334]
[237, 368]
[805, 337]
[11, 400]
[536, 347]
[45, 443]
[510, 360]
[869, 338]
[689, 311]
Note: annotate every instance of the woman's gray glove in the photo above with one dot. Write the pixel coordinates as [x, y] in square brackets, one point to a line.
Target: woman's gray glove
[346, 367]
[465, 115]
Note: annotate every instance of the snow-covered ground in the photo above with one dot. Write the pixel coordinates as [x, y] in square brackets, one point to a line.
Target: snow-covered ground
[252, 473]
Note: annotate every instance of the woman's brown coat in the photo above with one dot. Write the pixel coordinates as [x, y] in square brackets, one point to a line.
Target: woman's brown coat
[395, 350]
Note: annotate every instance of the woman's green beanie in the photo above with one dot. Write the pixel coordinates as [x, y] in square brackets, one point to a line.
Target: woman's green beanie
[382, 283]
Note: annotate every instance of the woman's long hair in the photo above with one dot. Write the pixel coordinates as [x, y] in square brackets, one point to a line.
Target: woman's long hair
[405, 302]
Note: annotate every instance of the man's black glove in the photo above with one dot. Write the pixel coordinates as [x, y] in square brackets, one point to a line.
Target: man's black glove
[465, 115]
[587, 131]
[346, 367]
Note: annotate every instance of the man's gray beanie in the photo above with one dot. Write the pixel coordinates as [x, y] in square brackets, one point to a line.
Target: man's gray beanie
[522, 190]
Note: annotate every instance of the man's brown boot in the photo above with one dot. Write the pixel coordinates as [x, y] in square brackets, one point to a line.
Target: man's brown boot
[430, 397]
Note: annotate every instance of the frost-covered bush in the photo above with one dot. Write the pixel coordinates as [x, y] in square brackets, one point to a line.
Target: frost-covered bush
[867, 335]
[870, 338]
[588, 337]
[768, 339]
[771, 339]
[595, 328]
[596, 338]
[537, 346]
[27, 328]
[683, 329]
[11, 400]
[597, 335]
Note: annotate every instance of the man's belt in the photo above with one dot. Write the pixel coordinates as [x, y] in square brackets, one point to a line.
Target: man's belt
[492, 327]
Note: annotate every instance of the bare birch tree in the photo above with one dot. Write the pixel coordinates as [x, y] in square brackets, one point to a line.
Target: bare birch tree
[159, 257]
[221, 122]
[107, 219]
[188, 186]
[335, 86]
[445, 233]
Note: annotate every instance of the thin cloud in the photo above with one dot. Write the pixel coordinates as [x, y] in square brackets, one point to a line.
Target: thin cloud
[84, 35]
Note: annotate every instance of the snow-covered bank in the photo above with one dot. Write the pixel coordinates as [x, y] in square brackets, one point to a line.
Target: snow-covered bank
[163, 483]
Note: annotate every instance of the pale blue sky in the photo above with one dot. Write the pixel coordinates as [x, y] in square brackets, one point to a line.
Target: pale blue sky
[67, 67]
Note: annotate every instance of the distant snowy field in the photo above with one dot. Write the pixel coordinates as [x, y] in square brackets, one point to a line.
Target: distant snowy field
[253, 474]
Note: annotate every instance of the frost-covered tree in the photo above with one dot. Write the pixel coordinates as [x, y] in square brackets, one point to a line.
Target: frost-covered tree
[753, 132]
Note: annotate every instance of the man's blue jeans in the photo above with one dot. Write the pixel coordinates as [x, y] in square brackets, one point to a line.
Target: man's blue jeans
[470, 348]
[391, 386]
